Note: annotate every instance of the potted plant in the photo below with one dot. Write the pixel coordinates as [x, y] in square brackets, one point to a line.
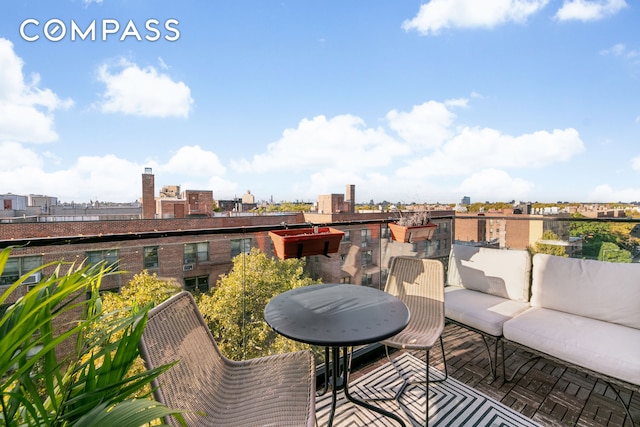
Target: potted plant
[299, 242]
[94, 384]
[413, 228]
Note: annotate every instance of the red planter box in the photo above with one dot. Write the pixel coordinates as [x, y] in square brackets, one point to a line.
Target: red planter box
[301, 242]
[412, 234]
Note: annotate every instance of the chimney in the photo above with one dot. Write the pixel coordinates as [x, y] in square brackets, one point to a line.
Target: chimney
[148, 195]
[351, 198]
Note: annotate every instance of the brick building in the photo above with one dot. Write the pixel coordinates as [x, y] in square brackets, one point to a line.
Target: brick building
[507, 229]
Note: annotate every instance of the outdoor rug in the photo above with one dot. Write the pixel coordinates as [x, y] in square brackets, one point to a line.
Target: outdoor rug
[451, 403]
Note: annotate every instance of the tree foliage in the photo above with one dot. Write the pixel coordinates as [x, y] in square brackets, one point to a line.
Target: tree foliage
[237, 304]
[613, 253]
[143, 290]
[547, 248]
[290, 207]
[593, 234]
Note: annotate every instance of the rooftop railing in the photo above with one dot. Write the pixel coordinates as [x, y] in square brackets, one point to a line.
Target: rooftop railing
[198, 257]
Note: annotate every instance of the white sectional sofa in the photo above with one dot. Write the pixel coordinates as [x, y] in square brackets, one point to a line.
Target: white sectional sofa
[585, 313]
[485, 288]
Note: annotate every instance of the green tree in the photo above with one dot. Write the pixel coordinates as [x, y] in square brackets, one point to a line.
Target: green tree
[235, 309]
[290, 207]
[144, 289]
[547, 248]
[613, 253]
[593, 234]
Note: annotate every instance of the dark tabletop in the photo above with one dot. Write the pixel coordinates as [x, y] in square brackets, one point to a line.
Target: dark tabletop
[336, 315]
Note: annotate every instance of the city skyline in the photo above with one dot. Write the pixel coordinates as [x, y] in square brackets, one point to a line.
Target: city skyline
[532, 100]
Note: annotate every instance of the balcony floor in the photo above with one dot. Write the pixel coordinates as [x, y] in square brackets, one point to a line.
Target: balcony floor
[549, 393]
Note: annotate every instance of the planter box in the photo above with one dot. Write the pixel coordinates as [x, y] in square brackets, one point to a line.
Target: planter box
[301, 242]
[412, 234]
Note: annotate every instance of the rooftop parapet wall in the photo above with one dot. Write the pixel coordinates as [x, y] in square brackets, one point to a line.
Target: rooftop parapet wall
[91, 228]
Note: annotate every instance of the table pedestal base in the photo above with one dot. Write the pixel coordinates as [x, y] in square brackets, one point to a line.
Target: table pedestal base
[340, 380]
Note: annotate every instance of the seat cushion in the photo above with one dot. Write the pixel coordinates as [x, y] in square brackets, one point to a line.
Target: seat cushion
[484, 312]
[600, 290]
[603, 347]
[504, 273]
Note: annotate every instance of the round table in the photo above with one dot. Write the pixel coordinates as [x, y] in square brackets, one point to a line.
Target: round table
[338, 316]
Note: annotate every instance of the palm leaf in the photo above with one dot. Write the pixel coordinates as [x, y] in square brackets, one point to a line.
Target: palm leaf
[94, 387]
[132, 413]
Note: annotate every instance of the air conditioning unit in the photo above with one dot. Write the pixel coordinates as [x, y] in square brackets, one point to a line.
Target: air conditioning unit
[33, 279]
[187, 267]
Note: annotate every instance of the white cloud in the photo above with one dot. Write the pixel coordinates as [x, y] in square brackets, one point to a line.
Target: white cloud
[320, 143]
[441, 14]
[107, 177]
[142, 91]
[26, 111]
[494, 184]
[429, 150]
[102, 177]
[605, 193]
[589, 10]
[620, 50]
[474, 149]
[194, 161]
[427, 125]
[15, 156]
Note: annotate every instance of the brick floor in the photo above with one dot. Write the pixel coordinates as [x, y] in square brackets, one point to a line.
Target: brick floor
[549, 393]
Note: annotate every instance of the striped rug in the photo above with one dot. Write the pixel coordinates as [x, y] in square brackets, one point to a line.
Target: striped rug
[451, 403]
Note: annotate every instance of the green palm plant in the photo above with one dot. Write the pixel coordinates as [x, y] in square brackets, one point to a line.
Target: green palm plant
[90, 387]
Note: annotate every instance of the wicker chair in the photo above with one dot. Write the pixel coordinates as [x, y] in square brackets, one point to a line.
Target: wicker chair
[419, 283]
[275, 390]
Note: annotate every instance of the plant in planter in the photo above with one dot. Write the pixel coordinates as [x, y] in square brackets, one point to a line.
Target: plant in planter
[413, 228]
[299, 242]
[92, 386]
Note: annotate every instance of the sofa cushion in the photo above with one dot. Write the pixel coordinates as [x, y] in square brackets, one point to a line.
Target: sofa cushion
[501, 272]
[484, 312]
[600, 290]
[593, 344]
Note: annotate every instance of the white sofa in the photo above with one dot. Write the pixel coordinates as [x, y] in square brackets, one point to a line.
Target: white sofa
[485, 288]
[585, 313]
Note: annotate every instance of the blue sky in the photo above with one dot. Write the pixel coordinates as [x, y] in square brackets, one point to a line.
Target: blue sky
[533, 100]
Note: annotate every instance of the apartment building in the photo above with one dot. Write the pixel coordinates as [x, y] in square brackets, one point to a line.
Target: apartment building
[513, 230]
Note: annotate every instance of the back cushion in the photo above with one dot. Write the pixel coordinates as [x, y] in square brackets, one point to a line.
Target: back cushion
[600, 290]
[500, 272]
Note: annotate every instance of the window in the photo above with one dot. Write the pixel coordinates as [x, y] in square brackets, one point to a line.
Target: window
[345, 280]
[151, 257]
[197, 284]
[367, 279]
[384, 232]
[443, 227]
[18, 267]
[384, 274]
[196, 252]
[240, 246]
[367, 258]
[429, 248]
[109, 257]
[365, 235]
[347, 236]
